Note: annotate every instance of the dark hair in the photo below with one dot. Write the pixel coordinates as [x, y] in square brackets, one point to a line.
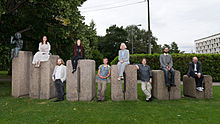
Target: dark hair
[42, 39]
[75, 48]
[105, 58]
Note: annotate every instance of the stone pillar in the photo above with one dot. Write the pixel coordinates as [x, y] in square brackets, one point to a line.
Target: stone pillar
[87, 80]
[160, 91]
[21, 68]
[131, 82]
[34, 91]
[81, 85]
[72, 83]
[189, 87]
[116, 86]
[47, 87]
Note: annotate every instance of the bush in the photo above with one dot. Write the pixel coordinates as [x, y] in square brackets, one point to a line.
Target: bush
[210, 62]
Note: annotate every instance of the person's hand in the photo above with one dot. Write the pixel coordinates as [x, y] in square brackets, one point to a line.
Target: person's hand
[199, 75]
[122, 61]
[53, 80]
[101, 77]
[43, 50]
[150, 80]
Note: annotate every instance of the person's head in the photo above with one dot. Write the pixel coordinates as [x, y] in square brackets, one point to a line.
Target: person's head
[78, 42]
[105, 60]
[123, 46]
[144, 61]
[60, 61]
[195, 59]
[44, 40]
[166, 50]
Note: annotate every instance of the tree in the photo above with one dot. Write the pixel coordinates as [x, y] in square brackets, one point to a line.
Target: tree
[60, 20]
[174, 48]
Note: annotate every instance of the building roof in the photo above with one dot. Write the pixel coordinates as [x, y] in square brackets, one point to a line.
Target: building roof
[208, 37]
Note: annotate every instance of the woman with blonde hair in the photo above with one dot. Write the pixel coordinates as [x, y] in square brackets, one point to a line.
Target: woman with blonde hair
[123, 58]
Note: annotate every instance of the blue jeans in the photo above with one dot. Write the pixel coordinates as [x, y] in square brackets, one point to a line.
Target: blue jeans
[166, 76]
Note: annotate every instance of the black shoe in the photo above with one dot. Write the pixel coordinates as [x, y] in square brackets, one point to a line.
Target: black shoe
[151, 99]
[173, 85]
[58, 100]
[99, 100]
[74, 70]
[148, 100]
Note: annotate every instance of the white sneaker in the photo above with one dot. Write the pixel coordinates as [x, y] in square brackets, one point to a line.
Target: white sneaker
[199, 89]
[119, 79]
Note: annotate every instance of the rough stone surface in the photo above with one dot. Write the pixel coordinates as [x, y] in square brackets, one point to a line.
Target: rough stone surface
[34, 91]
[47, 87]
[159, 89]
[72, 83]
[116, 86]
[82, 84]
[21, 68]
[189, 87]
[131, 82]
[87, 80]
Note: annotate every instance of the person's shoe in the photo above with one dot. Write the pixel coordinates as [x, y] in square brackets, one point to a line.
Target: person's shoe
[122, 78]
[119, 79]
[173, 85]
[151, 99]
[148, 100]
[74, 70]
[199, 89]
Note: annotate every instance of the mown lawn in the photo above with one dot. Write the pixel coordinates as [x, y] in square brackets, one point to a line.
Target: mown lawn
[183, 111]
[4, 75]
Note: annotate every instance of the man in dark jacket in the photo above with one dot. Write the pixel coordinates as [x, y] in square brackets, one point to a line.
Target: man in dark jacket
[195, 71]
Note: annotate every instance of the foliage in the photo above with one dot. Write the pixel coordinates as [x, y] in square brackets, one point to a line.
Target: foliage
[210, 62]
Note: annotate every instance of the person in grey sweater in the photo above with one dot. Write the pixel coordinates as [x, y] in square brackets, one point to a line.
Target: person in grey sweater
[123, 60]
[166, 64]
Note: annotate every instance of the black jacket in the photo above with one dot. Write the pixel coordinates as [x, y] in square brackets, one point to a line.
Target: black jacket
[191, 71]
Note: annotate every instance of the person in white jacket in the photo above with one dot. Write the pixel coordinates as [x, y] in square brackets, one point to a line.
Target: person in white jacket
[59, 76]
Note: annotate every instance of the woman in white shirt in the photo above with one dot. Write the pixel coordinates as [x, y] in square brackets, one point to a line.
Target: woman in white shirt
[43, 54]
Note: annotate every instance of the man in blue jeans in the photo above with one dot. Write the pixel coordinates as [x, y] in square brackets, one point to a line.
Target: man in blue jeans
[166, 64]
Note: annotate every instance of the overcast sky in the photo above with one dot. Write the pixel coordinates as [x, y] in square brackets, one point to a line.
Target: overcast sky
[182, 21]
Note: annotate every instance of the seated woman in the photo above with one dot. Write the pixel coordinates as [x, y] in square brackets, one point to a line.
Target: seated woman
[78, 53]
[123, 60]
[43, 54]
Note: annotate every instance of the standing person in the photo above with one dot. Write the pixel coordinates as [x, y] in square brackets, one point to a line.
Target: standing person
[195, 71]
[59, 76]
[123, 58]
[78, 53]
[166, 64]
[103, 73]
[146, 79]
[43, 54]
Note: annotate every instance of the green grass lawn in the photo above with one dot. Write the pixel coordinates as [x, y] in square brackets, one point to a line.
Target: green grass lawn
[4, 75]
[183, 111]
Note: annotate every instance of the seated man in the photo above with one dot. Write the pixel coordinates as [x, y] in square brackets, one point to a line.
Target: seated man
[195, 71]
[166, 64]
[146, 79]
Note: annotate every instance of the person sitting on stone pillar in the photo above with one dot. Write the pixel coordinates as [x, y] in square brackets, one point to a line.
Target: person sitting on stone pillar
[78, 53]
[18, 44]
[103, 73]
[123, 58]
[43, 54]
[166, 64]
[59, 76]
[146, 79]
[195, 71]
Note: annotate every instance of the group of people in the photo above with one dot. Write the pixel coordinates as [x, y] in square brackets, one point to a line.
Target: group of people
[104, 70]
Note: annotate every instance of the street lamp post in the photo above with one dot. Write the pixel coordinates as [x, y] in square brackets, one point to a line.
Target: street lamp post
[149, 39]
[132, 39]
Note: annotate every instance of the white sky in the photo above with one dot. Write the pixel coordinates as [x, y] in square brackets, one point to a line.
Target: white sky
[182, 21]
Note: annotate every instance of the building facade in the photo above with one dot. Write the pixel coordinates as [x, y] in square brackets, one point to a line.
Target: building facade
[210, 44]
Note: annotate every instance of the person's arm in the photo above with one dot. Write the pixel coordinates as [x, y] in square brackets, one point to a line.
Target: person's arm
[171, 62]
[119, 55]
[127, 56]
[49, 47]
[99, 72]
[53, 74]
[109, 72]
[39, 48]
[150, 72]
[200, 68]
[189, 71]
[137, 66]
[161, 62]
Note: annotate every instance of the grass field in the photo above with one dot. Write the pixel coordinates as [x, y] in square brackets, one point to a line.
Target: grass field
[183, 111]
[4, 75]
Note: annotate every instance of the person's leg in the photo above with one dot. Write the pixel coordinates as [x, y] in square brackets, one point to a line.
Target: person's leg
[166, 77]
[99, 90]
[58, 91]
[103, 90]
[172, 71]
[149, 88]
[200, 81]
[16, 51]
[123, 67]
[119, 65]
[143, 87]
[62, 90]
[12, 53]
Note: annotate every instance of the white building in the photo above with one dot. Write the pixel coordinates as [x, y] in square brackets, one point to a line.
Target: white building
[210, 44]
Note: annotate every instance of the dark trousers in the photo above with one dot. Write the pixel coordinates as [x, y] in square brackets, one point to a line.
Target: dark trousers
[59, 89]
[75, 61]
[197, 79]
[166, 76]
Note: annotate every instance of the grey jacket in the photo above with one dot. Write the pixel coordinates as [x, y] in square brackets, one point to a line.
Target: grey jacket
[166, 60]
[63, 73]
[126, 55]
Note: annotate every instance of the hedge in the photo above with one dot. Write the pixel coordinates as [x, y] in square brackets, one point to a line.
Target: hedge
[210, 62]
